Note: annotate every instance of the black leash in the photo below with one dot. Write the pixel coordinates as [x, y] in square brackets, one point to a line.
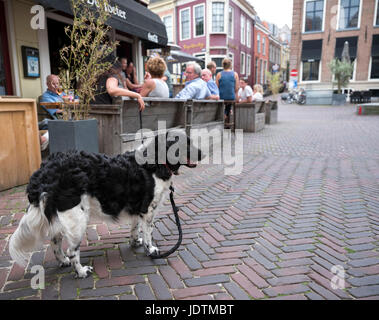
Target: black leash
[174, 208]
[177, 220]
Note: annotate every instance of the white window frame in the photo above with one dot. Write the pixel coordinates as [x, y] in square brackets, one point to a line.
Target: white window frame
[211, 19]
[231, 57]
[231, 26]
[262, 72]
[359, 17]
[264, 46]
[259, 42]
[248, 65]
[243, 71]
[180, 24]
[323, 17]
[172, 20]
[376, 12]
[194, 20]
[248, 33]
[243, 29]
[215, 56]
[310, 81]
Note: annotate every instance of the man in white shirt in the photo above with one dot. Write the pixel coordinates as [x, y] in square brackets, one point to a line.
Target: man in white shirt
[245, 93]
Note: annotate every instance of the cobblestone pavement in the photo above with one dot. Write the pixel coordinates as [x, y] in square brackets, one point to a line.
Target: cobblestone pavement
[307, 200]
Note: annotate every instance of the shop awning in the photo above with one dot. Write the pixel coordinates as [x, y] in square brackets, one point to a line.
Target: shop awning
[128, 16]
[311, 50]
[375, 46]
[340, 42]
[181, 57]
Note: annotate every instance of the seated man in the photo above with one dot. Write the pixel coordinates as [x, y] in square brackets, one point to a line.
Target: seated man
[245, 93]
[195, 87]
[206, 75]
[51, 94]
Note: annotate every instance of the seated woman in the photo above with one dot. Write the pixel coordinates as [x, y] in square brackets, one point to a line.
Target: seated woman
[110, 85]
[155, 86]
[131, 81]
[258, 93]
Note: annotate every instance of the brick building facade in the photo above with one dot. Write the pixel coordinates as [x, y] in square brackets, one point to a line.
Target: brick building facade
[320, 28]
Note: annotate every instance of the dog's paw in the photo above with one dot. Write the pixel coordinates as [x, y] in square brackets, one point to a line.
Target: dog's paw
[65, 263]
[136, 242]
[152, 251]
[84, 272]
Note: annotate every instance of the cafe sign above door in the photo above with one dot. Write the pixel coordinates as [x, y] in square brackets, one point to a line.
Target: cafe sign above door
[114, 10]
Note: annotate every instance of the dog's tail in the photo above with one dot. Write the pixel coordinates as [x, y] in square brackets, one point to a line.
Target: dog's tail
[30, 234]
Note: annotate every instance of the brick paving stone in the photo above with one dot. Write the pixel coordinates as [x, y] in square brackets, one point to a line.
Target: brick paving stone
[196, 291]
[13, 295]
[253, 276]
[180, 268]
[291, 297]
[365, 281]
[17, 272]
[292, 279]
[190, 260]
[133, 271]
[120, 281]
[159, 287]
[213, 271]
[143, 292]
[236, 292]
[248, 286]
[206, 280]
[114, 259]
[68, 287]
[314, 296]
[286, 289]
[282, 272]
[218, 263]
[171, 277]
[107, 291]
[100, 267]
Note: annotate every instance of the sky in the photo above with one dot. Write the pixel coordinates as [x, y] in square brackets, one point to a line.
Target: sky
[274, 11]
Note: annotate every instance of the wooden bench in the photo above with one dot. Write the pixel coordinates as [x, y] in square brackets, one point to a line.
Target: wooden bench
[271, 109]
[250, 117]
[118, 123]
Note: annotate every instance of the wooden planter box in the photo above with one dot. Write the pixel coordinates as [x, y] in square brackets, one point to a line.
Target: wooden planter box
[119, 123]
[20, 153]
[250, 117]
[271, 109]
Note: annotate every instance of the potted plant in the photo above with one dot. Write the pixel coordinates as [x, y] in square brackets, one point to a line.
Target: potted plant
[272, 105]
[86, 58]
[342, 71]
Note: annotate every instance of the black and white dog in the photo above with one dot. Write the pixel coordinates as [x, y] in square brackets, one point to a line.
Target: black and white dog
[69, 187]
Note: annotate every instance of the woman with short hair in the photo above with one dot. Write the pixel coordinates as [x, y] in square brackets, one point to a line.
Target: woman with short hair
[155, 86]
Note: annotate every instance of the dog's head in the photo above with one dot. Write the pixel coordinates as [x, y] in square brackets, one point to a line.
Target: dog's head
[171, 150]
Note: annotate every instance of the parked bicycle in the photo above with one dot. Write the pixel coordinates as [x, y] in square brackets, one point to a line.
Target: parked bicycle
[294, 96]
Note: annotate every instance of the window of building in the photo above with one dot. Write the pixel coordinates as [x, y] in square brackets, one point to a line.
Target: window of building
[259, 43]
[256, 70]
[314, 16]
[264, 46]
[217, 16]
[311, 70]
[349, 14]
[243, 26]
[248, 65]
[242, 63]
[218, 62]
[230, 23]
[248, 33]
[167, 21]
[262, 72]
[375, 57]
[376, 22]
[185, 24]
[199, 20]
[311, 57]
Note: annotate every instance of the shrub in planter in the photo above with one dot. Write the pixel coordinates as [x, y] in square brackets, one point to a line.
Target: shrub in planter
[88, 55]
